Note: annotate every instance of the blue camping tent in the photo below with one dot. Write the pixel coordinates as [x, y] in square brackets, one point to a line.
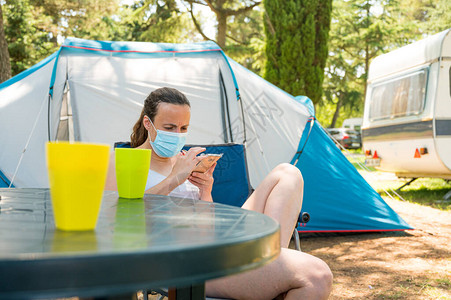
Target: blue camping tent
[93, 91]
[4, 182]
[345, 199]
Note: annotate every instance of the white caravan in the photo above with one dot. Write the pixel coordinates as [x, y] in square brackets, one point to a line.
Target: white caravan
[407, 119]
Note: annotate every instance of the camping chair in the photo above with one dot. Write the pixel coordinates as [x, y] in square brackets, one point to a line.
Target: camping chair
[231, 170]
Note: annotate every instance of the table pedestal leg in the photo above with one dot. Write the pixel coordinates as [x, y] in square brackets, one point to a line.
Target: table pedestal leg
[193, 292]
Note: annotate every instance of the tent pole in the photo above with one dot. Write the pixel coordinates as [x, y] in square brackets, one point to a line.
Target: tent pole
[311, 120]
[244, 122]
[228, 137]
[48, 116]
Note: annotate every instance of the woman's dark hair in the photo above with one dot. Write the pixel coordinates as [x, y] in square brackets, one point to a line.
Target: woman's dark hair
[150, 109]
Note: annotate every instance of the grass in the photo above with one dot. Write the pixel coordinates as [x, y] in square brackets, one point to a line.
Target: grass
[425, 286]
[424, 191]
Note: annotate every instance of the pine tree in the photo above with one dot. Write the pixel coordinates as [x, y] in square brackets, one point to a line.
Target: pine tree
[296, 44]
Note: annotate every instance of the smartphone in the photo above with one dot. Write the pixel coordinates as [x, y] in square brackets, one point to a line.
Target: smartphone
[207, 161]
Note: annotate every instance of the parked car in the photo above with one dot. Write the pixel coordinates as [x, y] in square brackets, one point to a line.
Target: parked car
[349, 139]
[353, 124]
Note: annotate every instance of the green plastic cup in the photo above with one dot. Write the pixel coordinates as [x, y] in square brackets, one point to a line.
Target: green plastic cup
[132, 168]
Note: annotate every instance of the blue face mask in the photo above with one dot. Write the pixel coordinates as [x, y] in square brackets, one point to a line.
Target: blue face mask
[167, 144]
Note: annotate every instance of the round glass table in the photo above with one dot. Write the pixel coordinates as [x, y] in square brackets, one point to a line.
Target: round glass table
[137, 244]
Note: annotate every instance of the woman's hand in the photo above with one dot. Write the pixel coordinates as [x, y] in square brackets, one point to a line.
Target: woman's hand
[204, 181]
[185, 163]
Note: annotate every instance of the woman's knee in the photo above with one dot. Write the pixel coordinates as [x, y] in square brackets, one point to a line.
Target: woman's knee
[286, 171]
[320, 279]
[313, 276]
[326, 278]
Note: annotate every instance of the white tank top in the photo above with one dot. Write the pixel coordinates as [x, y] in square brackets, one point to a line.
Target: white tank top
[185, 190]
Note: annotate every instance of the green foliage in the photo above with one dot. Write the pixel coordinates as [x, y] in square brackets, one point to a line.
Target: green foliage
[326, 110]
[425, 17]
[239, 30]
[27, 41]
[82, 18]
[34, 27]
[296, 45]
[245, 43]
[362, 30]
[155, 21]
[92, 21]
[345, 76]
[440, 15]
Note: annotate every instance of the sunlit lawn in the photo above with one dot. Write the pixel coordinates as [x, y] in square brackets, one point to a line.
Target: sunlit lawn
[425, 191]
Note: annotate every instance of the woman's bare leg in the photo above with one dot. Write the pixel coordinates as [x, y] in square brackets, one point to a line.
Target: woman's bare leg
[279, 196]
[295, 274]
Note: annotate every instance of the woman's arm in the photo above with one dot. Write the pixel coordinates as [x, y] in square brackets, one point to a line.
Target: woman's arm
[206, 197]
[204, 181]
[166, 186]
[186, 161]
[110, 184]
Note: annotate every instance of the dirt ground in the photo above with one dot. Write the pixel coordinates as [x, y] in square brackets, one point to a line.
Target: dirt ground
[414, 264]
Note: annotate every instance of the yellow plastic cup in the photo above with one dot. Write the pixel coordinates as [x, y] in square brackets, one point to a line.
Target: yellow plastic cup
[77, 175]
[132, 168]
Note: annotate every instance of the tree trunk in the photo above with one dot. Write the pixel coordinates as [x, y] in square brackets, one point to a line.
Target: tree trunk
[367, 51]
[222, 29]
[222, 13]
[5, 65]
[337, 110]
[367, 68]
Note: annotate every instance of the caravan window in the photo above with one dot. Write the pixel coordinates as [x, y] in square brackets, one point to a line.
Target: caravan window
[398, 97]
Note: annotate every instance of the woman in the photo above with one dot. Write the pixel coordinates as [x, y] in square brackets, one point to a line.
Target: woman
[162, 127]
